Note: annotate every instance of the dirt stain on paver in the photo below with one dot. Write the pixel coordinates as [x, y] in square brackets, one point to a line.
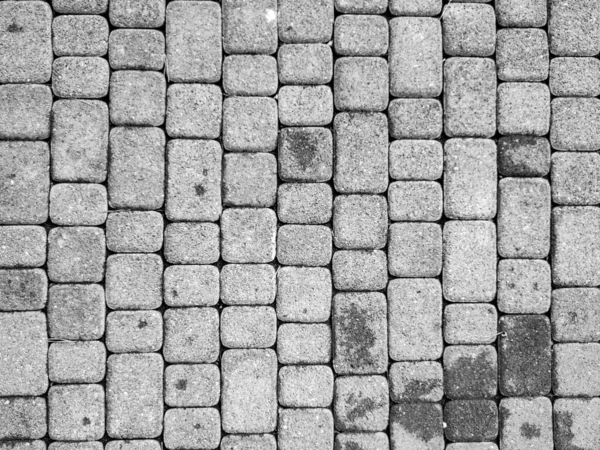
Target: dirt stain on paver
[363, 406]
[200, 190]
[357, 337]
[417, 388]
[142, 324]
[530, 431]
[304, 147]
[563, 430]
[181, 385]
[86, 421]
[14, 28]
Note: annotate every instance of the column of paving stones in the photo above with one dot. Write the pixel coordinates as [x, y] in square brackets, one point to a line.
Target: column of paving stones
[575, 173]
[469, 256]
[134, 227]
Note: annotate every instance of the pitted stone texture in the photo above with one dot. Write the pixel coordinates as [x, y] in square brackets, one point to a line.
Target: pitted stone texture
[524, 286]
[470, 371]
[575, 423]
[576, 315]
[470, 324]
[305, 63]
[249, 179]
[359, 270]
[310, 203]
[77, 362]
[304, 245]
[575, 77]
[575, 178]
[136, 50]
[358, 35]
[194, 111]
[137, 98]
[522, 54]
[303, 294]
[520, 13]
[574, 29]
[137, 444]
[80, 36]
[523, 108]
[415, 7]
[248, 284]
[250, 26]
[191, 243]
[415, 118]
[137, 13]
[472, 446]
[80, 77]
[249, 75]
[305, 428]
[80, 6]
[23, 418]
[361, 84]
[248, 442]
[526, 423]
[415, 201]
[35, 445]
[248, 235]
[575, 370]
[304, 343]
[23, 289]
[22, 246]
[305, 105]
[76, 254]
[78, 204]
[364, 441]
[192, 385]
[76, 311]
[134, 281]
[523, 156]
[248, 327]
[418, 426]
[250, 124]
[416, 160]
[305, 154]
[134, 231]
[360, 221]
[26, 111]
[76, 412]
[415, 250]
[191, 335]
[81, 445]
[469, 29]
[192, 285]
[421, 381]
[361, 6]
[471, 420]
[192, 428]
[305, 21]
[361, 403]
[134, 331]
[305, 386]
[575, 124]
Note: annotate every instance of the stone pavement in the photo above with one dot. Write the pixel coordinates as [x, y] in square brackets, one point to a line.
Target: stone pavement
[300, 224]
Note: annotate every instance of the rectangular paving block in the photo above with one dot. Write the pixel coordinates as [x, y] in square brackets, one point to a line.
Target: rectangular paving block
[367, 394]
[191, 335]
[575, 124]
[415, 250]
[521, 13]
[305, 63]
[250, 26]
[80, 35]
[249, 442]
[250, 75]
[470, 323]
[358, 35]
[305, 386]
[134, 231]
[192, 385]
[575, 77]
[573, 28]
[305, 428]
[76, 412]
[23, 418]
[80, 77]
[415, 201]
[192, 428]
[304, 294]
[80, 6]
[470, 371]
[304, 203]
[523, 156]
[471, 420]
[77, 362]
[360, 222]
[134, 281]
[248, 284]
[366, 441]
[136, 50]
[249, 179]
[416, 160]
[469, 29]
[137, 444]
[412, 118]
[575, 178]
[420, 426]
[134, 331]
[26, 111]
[248, 235]
[575, 370]
[23, 289]
[193, 285]
[76, 312]
[575, 423]
[359, 270]
[304, 245]
[78, 204]
[305, 154]
[305, 21]
[299, 343]
[415, 7]
[524, 286]
[305, 105]
[576, 315]
[194, 111]
[137, 14]
[248, 327]
[416, 381]
[22, 246]
[526, 422]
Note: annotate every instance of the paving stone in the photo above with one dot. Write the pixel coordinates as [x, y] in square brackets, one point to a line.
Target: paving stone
[249, 179]
[418, 426]
[416, 160]
[191, 335]
[470, 97]
[575, 178]
[305, 154]
[136, 50]
[78, 204]
[305, 63]
[361, 84]
[191, 285]
[27, 445]
[134, 396]
[299, 203]
[575, 423]
[415, 57]
[80, 77]
[250, 375]
[361, 6]
[421, 381]
[469, 29]
[23, 289]
[77, 362]
[470, 371]
[245, 284]
[415, 118]
[26, 44]
[523, 156]
[22, 246]
[575, 370]
[358, 35]
[519, 13]
[524, 357]
[192, 385]
[137, 98]
[415, 201]
[194, 111]
[470, 324]
[23, 418]
[360, 333]
[250, 75]
[299, 428]
[522, 54]
[76, 412]
[575, 77]
[303, 294]
[523, 108]
[192, 428]
[305, 21]
[23, 349]
[81, 445]
[365, 441]
[361, 403]
[304, 343]
[76, 254]
[79, 141]
[80, 36]
[576, 315]
[134, 231]
[134, 331]
[415, 250]
[471, 420]
[248, 327]
[194, 42]
[248, 442]
[138, 444]
[304, 245]
[248, 235]
[191, 243]
[360, 221]
[80, 6]
[134, 281]
[526, 423]
[469, 261]
[136, 13]
[305, 105]
[250, 26]
[76, 311]
[575, 124]
[249, 124]
[575, 247]
[305, 386]
[359, 270]
[524, 286]
[26, 112]
[573, 28]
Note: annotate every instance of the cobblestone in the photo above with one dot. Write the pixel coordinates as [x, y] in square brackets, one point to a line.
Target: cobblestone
[80, 36]
[359, 222]
[136, 50]
[80, 77]
[305, 427]
[575, 124]
[192, 385]
[245, 284]
[305, 154]
[361, 403]
[134, 281]
[415, 118]
[304, 343]
[305, 64]
[194, 111]
[416, 381]
[469, 29]
[575, 315]
[78, 204]
[137, 98]
[572, 29]
[250, 75]
[299, 203]
[76, 412]
[415, 250]
[76, 254]
[575, 421]
[524, 286]
[23, 289]
[305, 386]
[523, 156]
[575, 369]
[303, 294]
[361, 84]
[134, 331]
[522, 54]
[192, 427]
[305, 105]
[304, 245]
[23, 418]
[22, 246]
[357, 35]
[526, 423]
[416, 160]
[415, 201]
[575, 178]
[248, 235]
[305, 21]
[191, 243]
[191, 285]
[470, 324]
[359, 270]
[470, 371]
[419, 425]
[249, 180]
[471, 420]
[575, 77]
[250, 26]
[134, 232]
[76, 311]
[249, 124]
[191, 335]
[27, 112]
[77, 362]
[248, 327]
[523, 108]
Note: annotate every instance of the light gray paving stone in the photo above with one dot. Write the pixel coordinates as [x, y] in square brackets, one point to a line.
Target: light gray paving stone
[419, 426]
[471, 420]
[469, 269]
[415, 319]
[305, 386]
[194, 180]
[79, 141]
[575, 246]
[575, 423]
[23, 289]
[575, 370]
[305, 63]
[194, 42]
[250, 26]
[575, 124]
[573, 28]
[415, 57]
[26, 44]
[358, 35]
[415, 201]
[134, 396]
[192, 385]
[305, 105]
[23, 418]
[27, 445]
[522, 54]
[472, 446]
[249, 179]
[360, 333]
[470, 323]
[192, 428]
[134, 231]
[76, 412]
[361, 6]
[415, 7]
[250, 124]
[415, 118]
[134, 331]
[77, 362]
[136, 50]
[250, 75]
[248, 442]
[22, 246]
[137, 13]
[303, 294]
[469, 29]
[416, 160]
[359, 270]
[80, 6]
[523, 156]
[248, 327]
[80, 36]
[519, 13]
[415, 250]
[524, 286]
[248, 235]
[470, 372]
[526, 423]
[134, 281]
[361, 84]
[304, 343]
[194, 111]
[78, 204]
[304, 427]
[191, 285]
[575, 77]
[248, 284]
[299, 203]
[470, 97]
[26, 112]
[23, 349]
[360, 221]
[191, 335]
[137, 98]
[575, 178]
[191, 243]
[76, 254]
[305, 21]
[76, 445]
[416, 381]
[305, 154]
[365, 441]
[76, 311]
[361, 403]
[137, 444]
[576, 315]
[250, 375]
[80, 77]
[523, 108]
[304, 245]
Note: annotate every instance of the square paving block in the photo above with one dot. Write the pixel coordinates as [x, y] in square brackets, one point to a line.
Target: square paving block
[192, 428]
[23, 418]
[414, 160]
[415, 250]
[249, 180]
[304, 203]
[415, 201]
[248, 235]
[359, 270]
[361, 35]
[575, 423]
[575, 178]
[305, 154]
[76, 412]
[470, 371]
[250, 124]
[304, 245]
[305, 386]
[77, 362]
[471, 420]
[137, 98]
[524, 286]
[248, 327]
[470, 324]
[191, 243]
[304, 343]
[361, 403]
[80, 35]
[522, 55]
[78, 204]
[305, 20]
[421, 381]
[192, 385]
[415, 118]
[191, 335]
[576, 315]
[361, 84]
[248, 284]
[193, 285]
[134, 281]
[523, 108]
[136, 49]
[418, 425]
[26, 111]
[250, 75]
[134, 231]
[194, 111]
[303, 294]
[76, 311]
[469, 29]
[80, 77]
[76, 254]
[23, 289]
[575, 370]
[360, 221]
[305, 63]
[134, 331]
[137, 13]
[305, 428]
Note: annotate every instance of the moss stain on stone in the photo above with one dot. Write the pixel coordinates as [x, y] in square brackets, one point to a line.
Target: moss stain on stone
[530, 431]
[357, 338]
